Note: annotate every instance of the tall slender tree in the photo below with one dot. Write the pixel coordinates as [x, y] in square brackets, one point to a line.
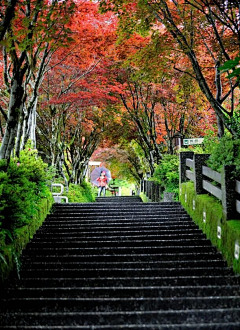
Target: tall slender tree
[36, 29]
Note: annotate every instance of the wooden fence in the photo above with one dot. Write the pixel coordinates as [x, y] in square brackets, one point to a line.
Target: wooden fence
[223, 186]
[155, 192]
[152, 190]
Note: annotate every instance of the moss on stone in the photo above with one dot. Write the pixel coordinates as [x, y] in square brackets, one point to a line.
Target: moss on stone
[230, 230]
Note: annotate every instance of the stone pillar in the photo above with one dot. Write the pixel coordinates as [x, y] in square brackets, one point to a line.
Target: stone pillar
[229, 192]
[199, 160]
[182, 164]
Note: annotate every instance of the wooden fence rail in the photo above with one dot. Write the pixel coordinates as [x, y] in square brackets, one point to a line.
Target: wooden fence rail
[223, 186]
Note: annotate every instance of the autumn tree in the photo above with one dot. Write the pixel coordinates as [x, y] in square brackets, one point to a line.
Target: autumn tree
[67, 137]
[140, 102]
[36, 29]
[125, 160]
[77, 93]
[72, 117]
[206, 32]
[7, 10]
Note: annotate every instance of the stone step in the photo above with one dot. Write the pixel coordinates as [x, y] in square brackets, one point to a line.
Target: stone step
[130, 199]
[125, 292]
[51, 228]
[205, 326]
[158, 257]
[45, 237]
[117, 304]
[123, 209]
[113, 207]
[198, 280]
[121, 264]
[116, 234]
[214, 319]
[98, 236]
[176, 231]
[120, 224]
[139, 218]
[124, 272]
[119, 250]
[113, 264]
[116, 210]
[119, 202]
[123, 242]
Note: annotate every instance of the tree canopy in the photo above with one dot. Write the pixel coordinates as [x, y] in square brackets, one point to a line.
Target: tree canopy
[127, 75]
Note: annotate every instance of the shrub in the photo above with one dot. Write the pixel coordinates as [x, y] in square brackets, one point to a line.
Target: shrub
[80, 193]
[225, 152]
[22, 186]
[167, 174]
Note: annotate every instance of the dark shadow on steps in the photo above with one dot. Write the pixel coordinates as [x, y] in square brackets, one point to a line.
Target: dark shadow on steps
[121, 264]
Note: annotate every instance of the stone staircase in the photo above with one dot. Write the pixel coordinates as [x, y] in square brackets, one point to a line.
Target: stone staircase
[121, 264]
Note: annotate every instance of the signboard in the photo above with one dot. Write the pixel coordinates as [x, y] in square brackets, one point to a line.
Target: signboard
[188, 142]
[94, 163]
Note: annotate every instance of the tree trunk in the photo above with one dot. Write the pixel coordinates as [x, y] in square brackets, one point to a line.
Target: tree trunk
[14, 110]
[220, 126]
[19, 134]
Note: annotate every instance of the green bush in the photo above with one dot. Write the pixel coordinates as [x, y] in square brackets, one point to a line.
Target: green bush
[80, 194]
[225, 152]
[167, 174]
[22, 186]
[25, 201]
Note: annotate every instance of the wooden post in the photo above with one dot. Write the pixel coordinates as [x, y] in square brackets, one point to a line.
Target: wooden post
[157, 192]
[198, 161]
[144, 186]
[229, 192]
[182, 165]
[150, 190]
[154, 191]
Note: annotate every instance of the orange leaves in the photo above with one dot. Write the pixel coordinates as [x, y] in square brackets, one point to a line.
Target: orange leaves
[81, 75]
[94, 33]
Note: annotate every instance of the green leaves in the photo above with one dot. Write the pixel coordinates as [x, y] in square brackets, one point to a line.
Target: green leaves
[226, 152]
[22, 186]
[167, 173]
[80, 194]
[231, 65]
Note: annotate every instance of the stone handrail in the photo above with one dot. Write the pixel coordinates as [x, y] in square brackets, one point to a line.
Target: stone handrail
[223, 186]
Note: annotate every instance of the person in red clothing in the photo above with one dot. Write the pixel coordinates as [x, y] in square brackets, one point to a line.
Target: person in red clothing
[102, 179]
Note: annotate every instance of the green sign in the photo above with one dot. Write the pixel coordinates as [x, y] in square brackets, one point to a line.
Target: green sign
[188, 142]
